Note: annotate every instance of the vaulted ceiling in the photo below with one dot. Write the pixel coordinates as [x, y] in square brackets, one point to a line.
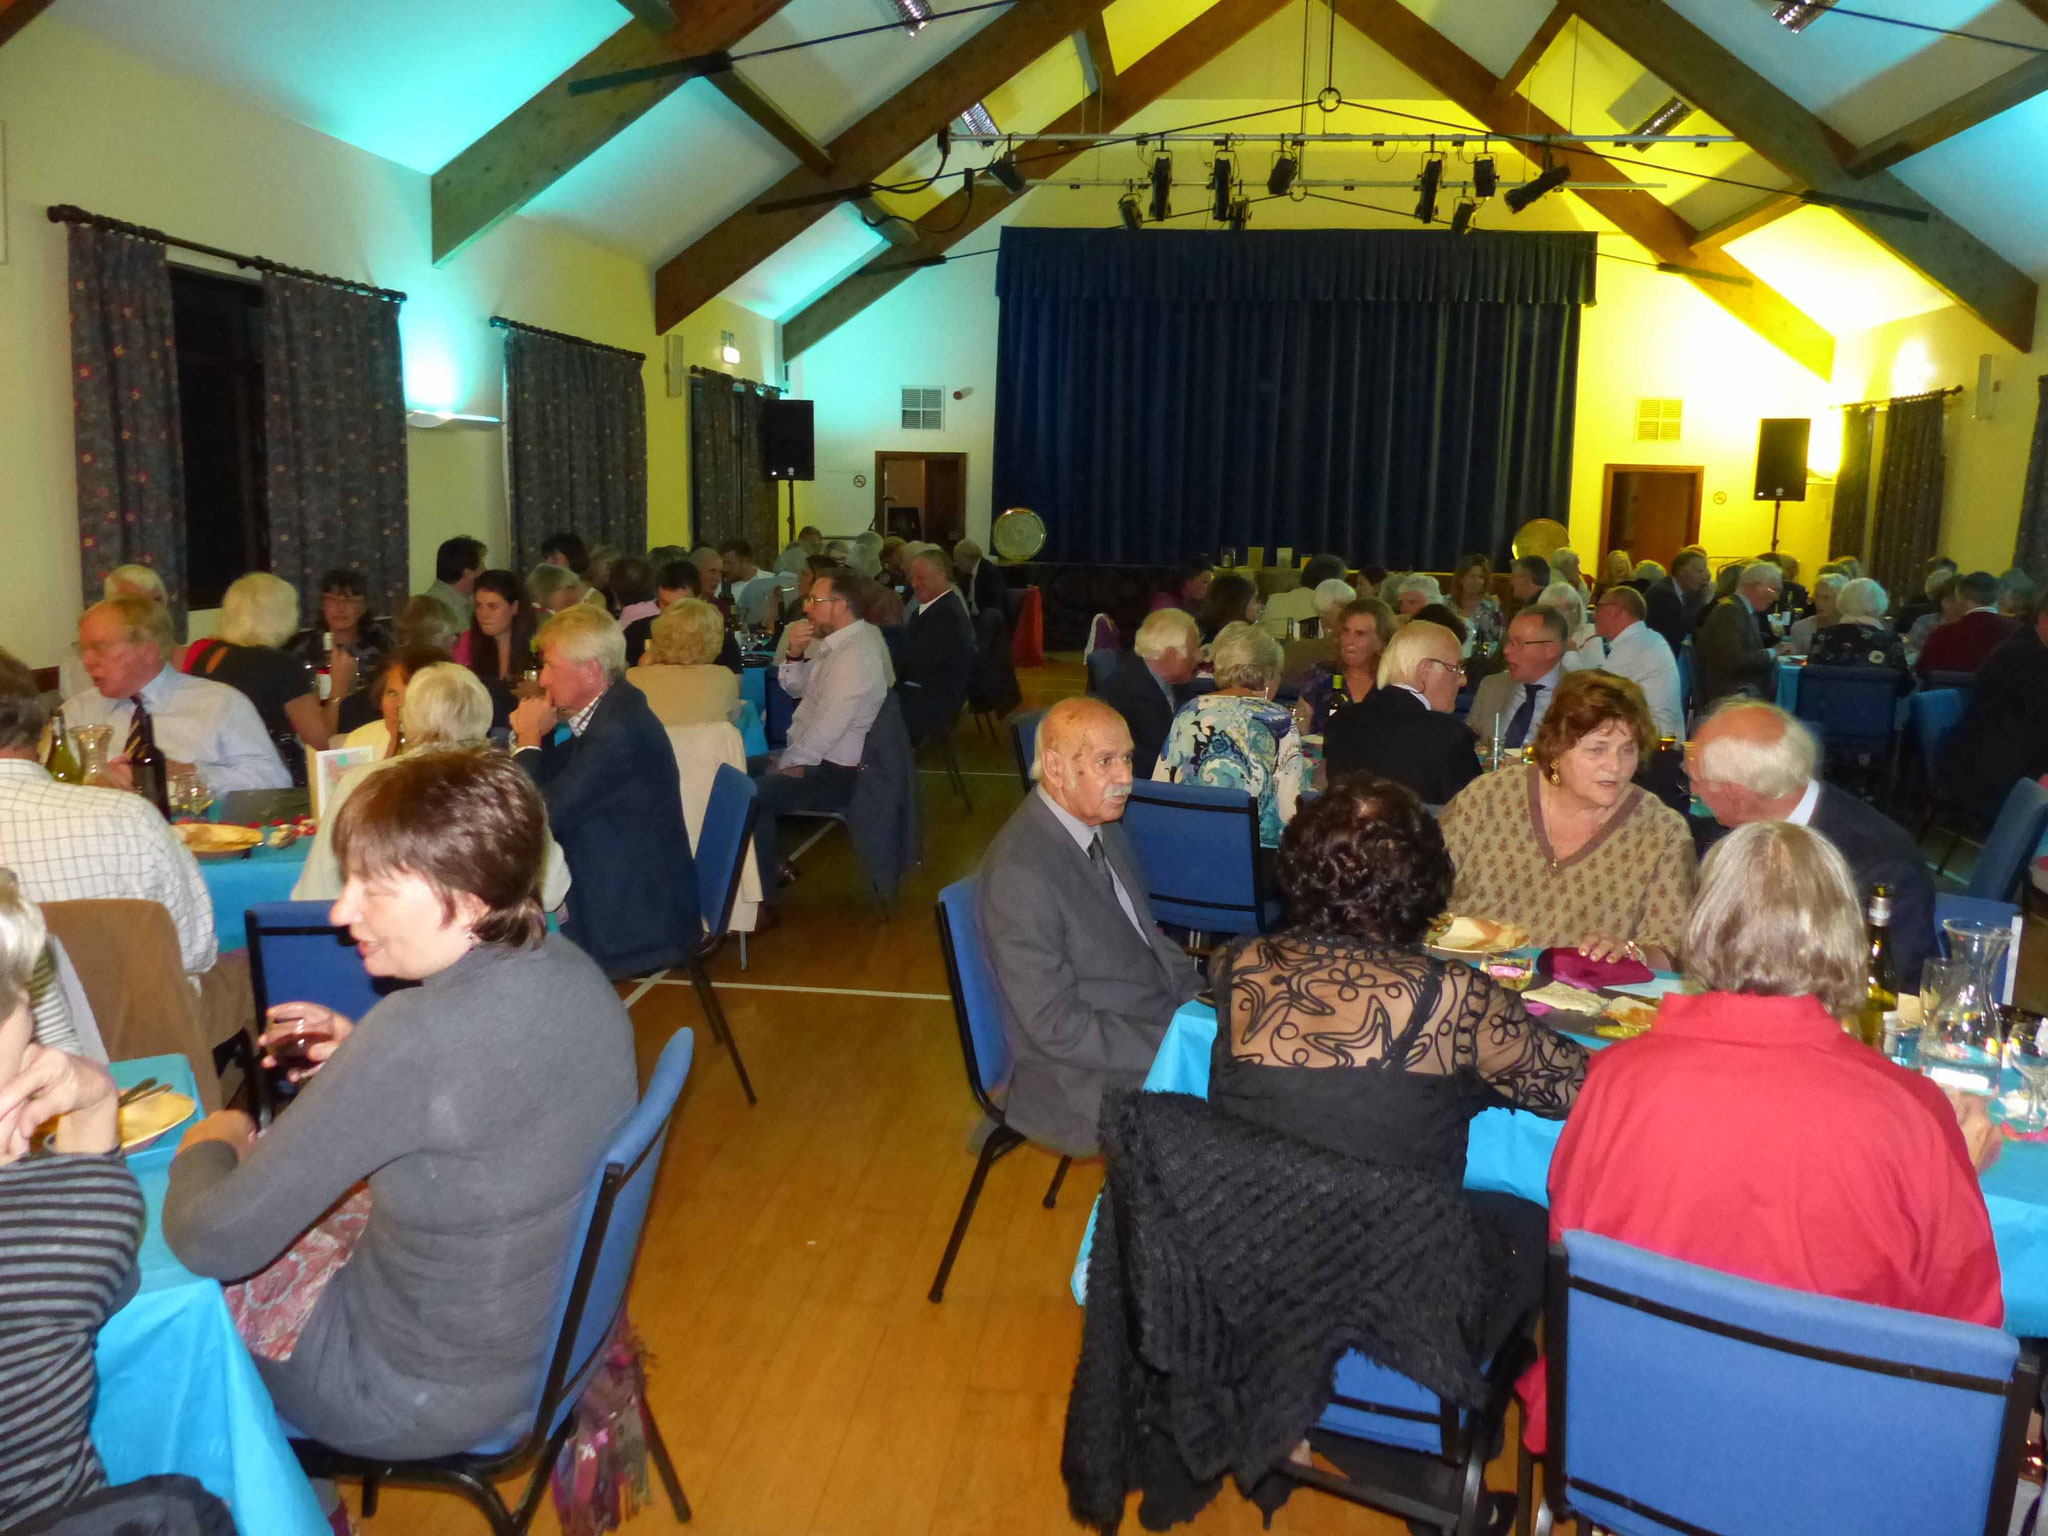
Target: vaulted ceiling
[673, 171]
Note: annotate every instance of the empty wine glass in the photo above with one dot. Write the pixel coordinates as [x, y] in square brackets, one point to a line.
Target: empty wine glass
[2026, 1051]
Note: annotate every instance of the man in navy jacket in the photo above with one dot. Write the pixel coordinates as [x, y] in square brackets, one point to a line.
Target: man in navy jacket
[614, 800]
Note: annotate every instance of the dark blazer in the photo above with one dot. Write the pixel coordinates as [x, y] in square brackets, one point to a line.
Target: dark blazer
[934, 657]
[1731, 653]
[615, 804]
[1392, 733]
[1086, 996]
[1133, 692]
[1668, 613]
[2003, 735]
[1965, 645]
[988, 585]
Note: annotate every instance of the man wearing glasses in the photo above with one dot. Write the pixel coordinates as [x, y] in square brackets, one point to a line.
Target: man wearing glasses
[836, 668]
[1404, 729]
[1519, 697]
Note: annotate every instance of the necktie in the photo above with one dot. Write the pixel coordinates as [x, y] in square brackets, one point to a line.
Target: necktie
[1099, 857]
[1524, 716]
[136, 725]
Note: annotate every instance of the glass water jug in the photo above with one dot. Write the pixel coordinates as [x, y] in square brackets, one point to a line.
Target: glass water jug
[1962, 1044]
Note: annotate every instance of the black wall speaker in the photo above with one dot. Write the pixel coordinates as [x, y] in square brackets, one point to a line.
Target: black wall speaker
[1781, 458]
[788, 440]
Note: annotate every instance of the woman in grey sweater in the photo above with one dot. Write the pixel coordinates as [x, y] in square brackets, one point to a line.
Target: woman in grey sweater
[476, 1105]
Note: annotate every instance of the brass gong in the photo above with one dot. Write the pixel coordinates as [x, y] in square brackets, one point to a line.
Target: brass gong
[1542, 536]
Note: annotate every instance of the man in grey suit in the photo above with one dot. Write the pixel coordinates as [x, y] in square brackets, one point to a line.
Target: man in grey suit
[1520, 697]
[1088, 983]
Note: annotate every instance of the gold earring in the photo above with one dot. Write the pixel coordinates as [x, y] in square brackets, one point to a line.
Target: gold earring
[1553, 775]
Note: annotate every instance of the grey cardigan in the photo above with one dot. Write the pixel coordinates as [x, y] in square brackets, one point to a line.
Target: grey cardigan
[476, 1105]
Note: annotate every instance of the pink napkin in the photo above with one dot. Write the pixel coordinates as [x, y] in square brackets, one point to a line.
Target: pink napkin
[1574, 969]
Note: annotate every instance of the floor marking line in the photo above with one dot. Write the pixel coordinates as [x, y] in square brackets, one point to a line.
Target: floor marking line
[769, 986]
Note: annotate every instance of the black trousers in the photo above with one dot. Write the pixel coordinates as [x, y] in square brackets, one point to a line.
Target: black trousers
[820, 787]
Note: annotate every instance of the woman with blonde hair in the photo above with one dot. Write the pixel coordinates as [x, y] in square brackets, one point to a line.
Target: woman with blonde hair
[679, 670]
[258, 614]
[1584, 647]
[1237, 737]
[1359, 632]
[1618, 569]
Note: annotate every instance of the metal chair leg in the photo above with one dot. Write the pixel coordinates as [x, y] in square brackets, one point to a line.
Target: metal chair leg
[1001, 1139]
[953, 767]
[369, 1495]
[543, 1474]
[1059, 1174]
[707, 998]
[657, 1452]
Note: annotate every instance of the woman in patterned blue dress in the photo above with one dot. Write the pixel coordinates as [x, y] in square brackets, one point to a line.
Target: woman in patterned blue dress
[1237, 737]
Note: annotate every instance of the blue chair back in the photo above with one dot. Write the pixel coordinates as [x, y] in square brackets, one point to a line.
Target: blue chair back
[1853, 709]
[297, 956]
[1381, 1405]
[1101, 664]
[2002, 914]
[723, 841]
[1682, 1399]
[1024, 742]
[1962, 682]
[593, 1293]
[2014, 836]
[1934, 713]
[977, 1005]
[780, 711]
[1198, 848]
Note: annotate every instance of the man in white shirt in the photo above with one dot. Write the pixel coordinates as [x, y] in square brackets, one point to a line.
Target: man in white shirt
[837, 670]
[1637, 652]
[1520, 697]
[754, 593]
[198, 723]
[77, 842]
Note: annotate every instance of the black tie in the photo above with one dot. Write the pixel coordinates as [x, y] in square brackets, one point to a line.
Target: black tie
[1099, 857]
[135, 726]
[1524, 716]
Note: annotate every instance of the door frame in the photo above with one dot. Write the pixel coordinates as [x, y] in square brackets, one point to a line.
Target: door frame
[1698, 472]
[884, 455]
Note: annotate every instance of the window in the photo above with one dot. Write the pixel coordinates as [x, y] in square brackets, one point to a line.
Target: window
[218, 324]
[922, 411]
[1658, 421]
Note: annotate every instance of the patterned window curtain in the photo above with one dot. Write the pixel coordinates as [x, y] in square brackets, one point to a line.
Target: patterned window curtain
[576, 441]
[334, 430]
[2030, 550]
[124, 396]
[731, 496]
[1906, 521]
[1852, 483]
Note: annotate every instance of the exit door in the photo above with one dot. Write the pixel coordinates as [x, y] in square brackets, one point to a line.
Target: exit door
[922, 496]
[1651, 510]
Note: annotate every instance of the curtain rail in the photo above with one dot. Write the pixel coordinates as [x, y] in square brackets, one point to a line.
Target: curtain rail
[66, 213]
[1925, 394]
[502, 323]
[699, 371]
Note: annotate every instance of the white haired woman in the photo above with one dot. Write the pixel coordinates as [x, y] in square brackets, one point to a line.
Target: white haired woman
[73, 1222]
[443, 704]
[1747, 1132]
[1584, 649]
[258, 614]
[1859, 637]
[1564, 567]
[679, 671]
[1413, 593]
[1237, 736]
[1826, 588]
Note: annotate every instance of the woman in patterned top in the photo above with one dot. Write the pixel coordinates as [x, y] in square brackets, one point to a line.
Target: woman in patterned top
[1568, 849]
[70, 1224]
[1237, 737]
[1472, 601]
[1859, 636]
[1360, 630]
[1342, 1031]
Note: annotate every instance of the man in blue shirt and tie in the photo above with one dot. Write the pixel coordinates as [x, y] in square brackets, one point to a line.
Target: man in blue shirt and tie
[1519, 696]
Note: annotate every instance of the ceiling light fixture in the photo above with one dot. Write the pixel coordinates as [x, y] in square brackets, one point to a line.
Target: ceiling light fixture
[1798, 15]
[1663, 120]
[1127, 205]
[1285, 168]
[1221, 176]
[1553, 177]
[1425, 199]
[1162, 188]
[1485, 179]
[912, 13]
[1461, 216]
[728, 349]
[977, 119]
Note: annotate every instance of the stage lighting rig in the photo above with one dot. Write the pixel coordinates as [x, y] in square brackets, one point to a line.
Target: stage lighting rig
[1127, 206]
[1485, 180]
[1425, 199]
[1005, 171]
[1285, 169]
[1240, 213]
[1461, 216]
[1222, 175]
[1553, 177]
[1162, 187]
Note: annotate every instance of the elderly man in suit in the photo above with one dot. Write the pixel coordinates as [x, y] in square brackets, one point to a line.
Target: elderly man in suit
[614, 800]
[1141, 688]
[1404, 729]
[1520, 697]
[1733, 644]
[1678, 601]
[1087, 981]
[981, 583]
[934, 653]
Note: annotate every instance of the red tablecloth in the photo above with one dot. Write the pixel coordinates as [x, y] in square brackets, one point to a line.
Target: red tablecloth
[1027, 641]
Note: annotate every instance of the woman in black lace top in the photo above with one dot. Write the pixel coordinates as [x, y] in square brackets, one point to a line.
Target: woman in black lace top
[1343, 1031]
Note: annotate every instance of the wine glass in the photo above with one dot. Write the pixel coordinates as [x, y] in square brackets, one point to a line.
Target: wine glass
[2027, 1053]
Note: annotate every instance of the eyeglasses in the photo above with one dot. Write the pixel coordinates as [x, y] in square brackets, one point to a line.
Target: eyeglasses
[1456, 669]
[1515, 644]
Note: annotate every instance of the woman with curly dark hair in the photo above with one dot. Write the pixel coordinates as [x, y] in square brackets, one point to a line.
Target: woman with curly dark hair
[1343, 1031]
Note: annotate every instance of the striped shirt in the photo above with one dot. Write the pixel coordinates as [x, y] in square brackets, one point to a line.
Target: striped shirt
[69, 1230]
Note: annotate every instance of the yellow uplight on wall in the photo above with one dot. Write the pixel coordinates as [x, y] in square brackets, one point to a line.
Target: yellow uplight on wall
[1824, 446]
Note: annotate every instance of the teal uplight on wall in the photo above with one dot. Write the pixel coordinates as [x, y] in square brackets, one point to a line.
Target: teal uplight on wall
[432, 381]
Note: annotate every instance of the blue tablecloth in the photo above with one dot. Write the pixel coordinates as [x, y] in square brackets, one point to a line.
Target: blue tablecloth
[1786, 672]
[1510, 1150]
[178, 1391]
[754, 689]
[751, 730]
[266, 874]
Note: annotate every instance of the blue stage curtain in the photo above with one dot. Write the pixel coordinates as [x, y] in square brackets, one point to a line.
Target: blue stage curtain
[1389, 396]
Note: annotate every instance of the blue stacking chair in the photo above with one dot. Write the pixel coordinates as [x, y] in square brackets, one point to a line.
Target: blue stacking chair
[723, 842]
[978, 1011]
[1198, 849]
[1101, 664]
[2002, 864]
[591, 1299]
[1932, 716]
[1686, 1400]
[297, 956]
[1024, 742]
[1854, 710]
[1970, 909]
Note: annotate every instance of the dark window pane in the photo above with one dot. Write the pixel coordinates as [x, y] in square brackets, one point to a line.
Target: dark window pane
[219, 324]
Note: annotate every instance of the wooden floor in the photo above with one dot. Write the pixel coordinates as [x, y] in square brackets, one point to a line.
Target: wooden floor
[803, 1381]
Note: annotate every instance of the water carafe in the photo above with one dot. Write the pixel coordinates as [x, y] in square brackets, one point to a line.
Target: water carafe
[1961, 1043]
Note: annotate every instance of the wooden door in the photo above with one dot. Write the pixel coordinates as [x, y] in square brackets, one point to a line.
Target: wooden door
[922, 496]
[1650, 510]
[945, 499]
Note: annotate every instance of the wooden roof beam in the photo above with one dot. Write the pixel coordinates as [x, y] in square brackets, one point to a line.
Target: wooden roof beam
[554, 131]
[1532, 52]
[2021, 83]
[658, 16]
[1128, 93]
[1747, 221]
[737, 89]
[977, 66]
[1604, 186]
[16, 14]
[1814, 155]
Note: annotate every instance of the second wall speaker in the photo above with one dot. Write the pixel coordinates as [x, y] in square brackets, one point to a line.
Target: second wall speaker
[788, 440]
[1781, 457]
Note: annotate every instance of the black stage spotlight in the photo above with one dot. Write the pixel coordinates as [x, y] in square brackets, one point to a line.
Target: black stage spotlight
[1518, 198]
[1005, 170]
[1284, 171]
[1221, 176]
[1162, 187]
[1240, 213]
[1127, 205]
[1485, 181]
[1461, 216]
[1425, 198]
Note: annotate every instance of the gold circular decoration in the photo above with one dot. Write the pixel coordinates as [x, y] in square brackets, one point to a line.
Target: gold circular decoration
[1541, 536]
[1018, 534]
